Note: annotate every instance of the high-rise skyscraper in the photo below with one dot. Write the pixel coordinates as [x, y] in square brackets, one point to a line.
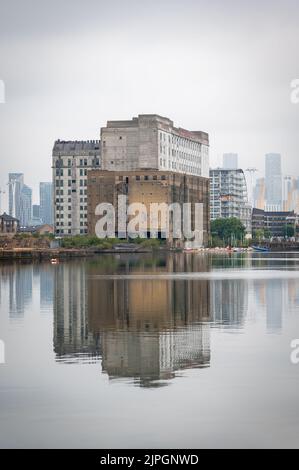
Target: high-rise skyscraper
[290, 194]
[46, 202]
[36, 220]
[15, 183]
[259, 194]
[230, 161]
[273, 182]
[26, 206]
[20, 199]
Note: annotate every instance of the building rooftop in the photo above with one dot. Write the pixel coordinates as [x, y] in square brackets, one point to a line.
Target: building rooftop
[8, 218]
[76, 147]
[164, 123]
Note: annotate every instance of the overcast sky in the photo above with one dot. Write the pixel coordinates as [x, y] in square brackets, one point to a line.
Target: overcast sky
[223, 67]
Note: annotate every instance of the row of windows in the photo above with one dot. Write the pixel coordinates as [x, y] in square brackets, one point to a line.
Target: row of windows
[59, 172]
[61, 208]
[60, 200]
[143, 177]
[60, 183]
[69, 216]
[59, 192]
[69, 231]
[82, 162]
[178, 141]
[181, 167]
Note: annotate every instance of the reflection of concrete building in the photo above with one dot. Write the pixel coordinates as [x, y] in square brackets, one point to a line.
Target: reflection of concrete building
[229, 301]
[148, 187]
[46, 285]
[71, 162]
[150, 329]
[229, 197]
[71, 334]
[144, 330]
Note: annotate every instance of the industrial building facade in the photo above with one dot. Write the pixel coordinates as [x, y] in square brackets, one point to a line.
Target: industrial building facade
[71, 161]
[146, 158]
[148, 187]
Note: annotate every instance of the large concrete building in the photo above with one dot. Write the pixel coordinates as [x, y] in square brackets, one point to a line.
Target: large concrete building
[153, 142]
[149, 160]
[229, 197]
[71, 161]
[148, 187]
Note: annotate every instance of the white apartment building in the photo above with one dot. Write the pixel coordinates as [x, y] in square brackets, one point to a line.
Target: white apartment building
[150, 141]
[229, 196]
[71, 161]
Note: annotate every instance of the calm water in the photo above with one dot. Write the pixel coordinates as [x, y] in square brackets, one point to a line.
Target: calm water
[182, 350]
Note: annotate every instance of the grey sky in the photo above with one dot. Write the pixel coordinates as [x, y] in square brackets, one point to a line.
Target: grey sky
[223, 67]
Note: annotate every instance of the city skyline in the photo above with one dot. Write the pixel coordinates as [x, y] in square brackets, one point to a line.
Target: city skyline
[222, 83]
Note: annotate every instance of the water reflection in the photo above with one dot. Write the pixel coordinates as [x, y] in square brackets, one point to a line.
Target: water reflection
[229, 302]
[17, 282]
[145, 330]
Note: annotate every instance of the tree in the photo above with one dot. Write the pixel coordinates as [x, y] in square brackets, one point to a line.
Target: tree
[259, 234]
[290, 232]
[229, 230]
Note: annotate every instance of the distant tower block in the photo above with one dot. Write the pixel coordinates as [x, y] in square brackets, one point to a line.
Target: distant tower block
[230, 161]
[251, 171]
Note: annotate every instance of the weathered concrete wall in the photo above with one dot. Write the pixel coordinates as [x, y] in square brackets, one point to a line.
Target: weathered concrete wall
[147, 186]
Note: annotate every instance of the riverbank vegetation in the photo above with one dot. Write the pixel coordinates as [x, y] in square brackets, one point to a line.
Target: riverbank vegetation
[228, 232]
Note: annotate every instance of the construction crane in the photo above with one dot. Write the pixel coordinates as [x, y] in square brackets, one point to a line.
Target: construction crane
[251, 171]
